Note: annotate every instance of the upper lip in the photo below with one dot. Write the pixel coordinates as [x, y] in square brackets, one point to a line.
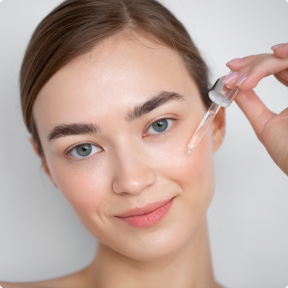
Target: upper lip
[144, 210]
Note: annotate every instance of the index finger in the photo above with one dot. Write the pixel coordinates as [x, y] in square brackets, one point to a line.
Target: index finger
[263, 68]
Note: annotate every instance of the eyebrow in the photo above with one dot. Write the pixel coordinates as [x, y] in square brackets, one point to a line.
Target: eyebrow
[138, 111]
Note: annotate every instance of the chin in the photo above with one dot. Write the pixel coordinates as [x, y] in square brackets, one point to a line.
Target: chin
[151, 247]
[167, 237]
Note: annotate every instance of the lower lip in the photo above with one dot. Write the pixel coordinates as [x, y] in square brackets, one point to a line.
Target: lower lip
[149, 219]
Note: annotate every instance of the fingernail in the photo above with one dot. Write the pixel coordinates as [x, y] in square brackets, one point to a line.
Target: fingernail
[230, 77]
[241, 79]
[233, 61]
[278, 45]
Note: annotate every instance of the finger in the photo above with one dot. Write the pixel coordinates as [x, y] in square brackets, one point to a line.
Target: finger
[249, 62]
[282, 79]
[283, 74]
[248, 80]
[241, 62]
[280, 51]
[255, 110]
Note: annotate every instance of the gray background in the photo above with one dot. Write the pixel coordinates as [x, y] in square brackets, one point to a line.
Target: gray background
[41, 237]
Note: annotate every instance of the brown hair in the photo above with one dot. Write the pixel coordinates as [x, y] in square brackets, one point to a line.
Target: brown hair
[76, 26]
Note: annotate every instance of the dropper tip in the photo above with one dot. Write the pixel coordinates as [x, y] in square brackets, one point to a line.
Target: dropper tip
[188, 151]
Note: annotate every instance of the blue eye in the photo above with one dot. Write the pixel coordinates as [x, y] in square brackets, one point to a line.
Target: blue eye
[84, 150]
[160, 125]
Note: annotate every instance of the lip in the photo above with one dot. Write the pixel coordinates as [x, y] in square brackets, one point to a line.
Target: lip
[148, 215]
[144, 210]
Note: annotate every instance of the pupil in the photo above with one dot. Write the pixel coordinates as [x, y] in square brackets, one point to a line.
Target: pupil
[160, 126]
[84, 150]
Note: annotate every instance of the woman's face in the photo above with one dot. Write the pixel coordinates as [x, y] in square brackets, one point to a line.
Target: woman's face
[131, 162]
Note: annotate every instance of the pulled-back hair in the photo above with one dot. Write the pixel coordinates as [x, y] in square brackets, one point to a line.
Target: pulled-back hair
[75, 27]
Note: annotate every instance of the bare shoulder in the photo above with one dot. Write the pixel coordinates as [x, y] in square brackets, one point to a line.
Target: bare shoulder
[220, 286]
[13, 285]
[73, 280]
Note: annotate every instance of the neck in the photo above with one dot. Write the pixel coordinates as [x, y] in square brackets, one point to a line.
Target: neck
[190, 266]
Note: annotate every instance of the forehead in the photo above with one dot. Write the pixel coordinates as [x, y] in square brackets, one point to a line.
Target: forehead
[116, 74]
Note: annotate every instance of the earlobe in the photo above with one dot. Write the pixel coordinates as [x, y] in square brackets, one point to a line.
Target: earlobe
[218, 129]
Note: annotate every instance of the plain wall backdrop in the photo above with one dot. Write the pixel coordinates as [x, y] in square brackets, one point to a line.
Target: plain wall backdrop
[40, 235]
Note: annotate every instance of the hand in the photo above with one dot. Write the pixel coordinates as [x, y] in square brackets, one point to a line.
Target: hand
[270, 128]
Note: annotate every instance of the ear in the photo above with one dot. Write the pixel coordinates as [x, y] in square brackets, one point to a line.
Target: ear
[218, 128]
[34, 145]
[44, 164]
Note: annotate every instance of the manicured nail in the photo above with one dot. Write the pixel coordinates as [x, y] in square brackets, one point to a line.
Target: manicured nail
[233, 61]
[278, 45]
[230, 77]
[241, 79]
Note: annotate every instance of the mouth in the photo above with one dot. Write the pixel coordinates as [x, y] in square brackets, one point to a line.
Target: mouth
[148, 215]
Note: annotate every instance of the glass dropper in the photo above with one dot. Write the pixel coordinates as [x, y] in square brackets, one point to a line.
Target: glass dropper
[222, 96]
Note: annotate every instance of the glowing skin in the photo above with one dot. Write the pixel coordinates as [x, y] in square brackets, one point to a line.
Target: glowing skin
[130, 166]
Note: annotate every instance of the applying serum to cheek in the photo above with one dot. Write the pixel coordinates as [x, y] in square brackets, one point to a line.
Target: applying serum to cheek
[221, 96]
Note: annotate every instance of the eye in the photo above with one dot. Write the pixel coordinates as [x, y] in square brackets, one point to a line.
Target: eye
[83, 151]
[160, 126]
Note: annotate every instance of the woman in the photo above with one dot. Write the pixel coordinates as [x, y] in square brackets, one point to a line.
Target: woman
[112, 92]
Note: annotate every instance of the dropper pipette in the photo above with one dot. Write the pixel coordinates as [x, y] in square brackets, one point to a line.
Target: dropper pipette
[222, 96]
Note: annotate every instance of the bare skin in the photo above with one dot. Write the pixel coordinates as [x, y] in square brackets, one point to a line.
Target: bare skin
[132, 169]
[85, 278]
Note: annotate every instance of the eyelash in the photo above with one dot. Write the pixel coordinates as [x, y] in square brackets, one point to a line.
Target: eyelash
[68, 153]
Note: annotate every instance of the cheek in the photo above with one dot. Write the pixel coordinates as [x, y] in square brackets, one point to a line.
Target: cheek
[195, 169]
[193, 173]
[83, 188]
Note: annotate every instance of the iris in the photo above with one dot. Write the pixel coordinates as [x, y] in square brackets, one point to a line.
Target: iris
[160, 126]
[84, 150]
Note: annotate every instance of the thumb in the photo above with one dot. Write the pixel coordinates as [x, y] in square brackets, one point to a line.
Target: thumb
[255, 111]
[281, 51]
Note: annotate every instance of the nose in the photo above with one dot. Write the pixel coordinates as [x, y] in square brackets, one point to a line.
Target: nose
[132, 172]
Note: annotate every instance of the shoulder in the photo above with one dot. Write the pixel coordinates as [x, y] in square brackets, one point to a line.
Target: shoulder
[40, 284]
[14, 285]
[62, 282]
[217, 286]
